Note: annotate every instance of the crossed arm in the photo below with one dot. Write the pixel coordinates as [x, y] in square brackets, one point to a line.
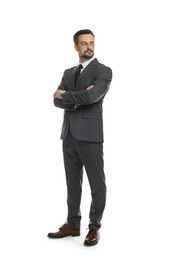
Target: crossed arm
[92, 94]
[58, 93]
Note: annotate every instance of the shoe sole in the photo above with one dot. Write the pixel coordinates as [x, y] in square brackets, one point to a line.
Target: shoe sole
[73, 235]
[90, 244]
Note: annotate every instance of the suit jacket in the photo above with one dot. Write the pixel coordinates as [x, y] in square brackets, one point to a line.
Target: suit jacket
[82, 107]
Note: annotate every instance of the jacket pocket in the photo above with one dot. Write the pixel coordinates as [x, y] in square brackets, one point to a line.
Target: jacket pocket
[92, 115]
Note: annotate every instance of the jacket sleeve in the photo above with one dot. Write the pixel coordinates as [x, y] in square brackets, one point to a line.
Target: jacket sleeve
[103, 78]
[58, 102]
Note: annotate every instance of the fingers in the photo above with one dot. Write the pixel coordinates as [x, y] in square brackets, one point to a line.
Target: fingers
[57, 94]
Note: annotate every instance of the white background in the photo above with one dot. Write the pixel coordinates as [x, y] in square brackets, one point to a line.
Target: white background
[135, 39]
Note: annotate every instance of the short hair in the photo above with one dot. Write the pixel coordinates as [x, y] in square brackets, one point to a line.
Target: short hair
[81, 32]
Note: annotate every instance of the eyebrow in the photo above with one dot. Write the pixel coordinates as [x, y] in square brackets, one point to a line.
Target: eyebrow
[87, 42]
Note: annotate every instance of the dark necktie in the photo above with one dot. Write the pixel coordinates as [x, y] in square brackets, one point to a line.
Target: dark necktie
[78, 72]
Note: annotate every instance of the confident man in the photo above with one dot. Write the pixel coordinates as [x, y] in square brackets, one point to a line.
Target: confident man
[80, 94]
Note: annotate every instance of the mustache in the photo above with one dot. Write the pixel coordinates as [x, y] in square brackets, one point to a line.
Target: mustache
[89, 50]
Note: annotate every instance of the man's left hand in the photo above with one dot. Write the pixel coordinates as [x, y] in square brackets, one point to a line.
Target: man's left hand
[58, 94]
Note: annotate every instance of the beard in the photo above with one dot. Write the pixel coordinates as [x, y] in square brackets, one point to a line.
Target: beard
[88, 54]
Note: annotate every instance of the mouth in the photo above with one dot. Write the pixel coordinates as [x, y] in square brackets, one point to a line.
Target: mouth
[89, 51]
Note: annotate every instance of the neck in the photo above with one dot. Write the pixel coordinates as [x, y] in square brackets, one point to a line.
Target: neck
[82, 60]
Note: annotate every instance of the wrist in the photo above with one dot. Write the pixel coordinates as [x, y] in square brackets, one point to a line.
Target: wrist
[62, 92]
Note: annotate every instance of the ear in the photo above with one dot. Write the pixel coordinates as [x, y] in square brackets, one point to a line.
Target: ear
[76, 47]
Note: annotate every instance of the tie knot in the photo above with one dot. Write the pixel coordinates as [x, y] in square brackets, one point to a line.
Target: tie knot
[80, 67]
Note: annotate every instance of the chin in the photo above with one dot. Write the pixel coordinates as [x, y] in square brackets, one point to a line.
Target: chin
[88, 56]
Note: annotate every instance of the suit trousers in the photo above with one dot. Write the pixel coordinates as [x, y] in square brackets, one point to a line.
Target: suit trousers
[89, 155]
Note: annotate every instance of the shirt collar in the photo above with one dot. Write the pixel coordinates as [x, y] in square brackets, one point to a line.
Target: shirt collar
[84, 64]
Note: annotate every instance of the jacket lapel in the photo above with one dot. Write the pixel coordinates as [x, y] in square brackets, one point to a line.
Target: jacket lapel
[72, 77]
[90, 66]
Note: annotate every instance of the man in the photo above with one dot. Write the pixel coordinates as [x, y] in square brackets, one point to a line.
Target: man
[80, 94]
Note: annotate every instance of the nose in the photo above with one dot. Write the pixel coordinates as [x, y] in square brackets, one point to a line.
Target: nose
[90, 46]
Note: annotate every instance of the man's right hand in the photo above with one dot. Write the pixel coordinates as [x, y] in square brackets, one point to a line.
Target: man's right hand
[90, 87]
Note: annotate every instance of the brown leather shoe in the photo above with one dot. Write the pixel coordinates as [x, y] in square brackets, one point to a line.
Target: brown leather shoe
[92, 238]
[65, 231]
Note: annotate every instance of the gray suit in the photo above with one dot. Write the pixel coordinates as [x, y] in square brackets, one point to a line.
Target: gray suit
[82, 134]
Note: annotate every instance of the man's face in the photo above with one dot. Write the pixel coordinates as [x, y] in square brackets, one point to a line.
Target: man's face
[85, 47]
